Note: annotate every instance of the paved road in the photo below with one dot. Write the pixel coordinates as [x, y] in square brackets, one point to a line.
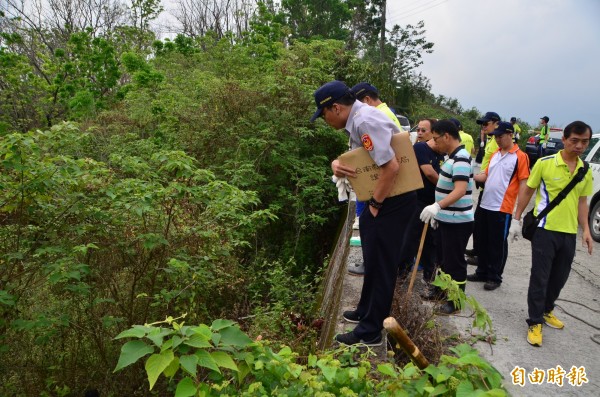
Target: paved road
[507, 306]
[571, 346]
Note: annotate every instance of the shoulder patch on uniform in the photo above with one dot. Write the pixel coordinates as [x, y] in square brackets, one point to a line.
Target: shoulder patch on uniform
[367, 142]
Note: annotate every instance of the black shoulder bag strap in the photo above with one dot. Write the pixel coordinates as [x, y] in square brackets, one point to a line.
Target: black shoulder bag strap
[561, 196]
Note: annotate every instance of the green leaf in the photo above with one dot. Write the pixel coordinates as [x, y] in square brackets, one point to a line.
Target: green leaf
[156, 364]
[131, 352]
[438, 390]
[198, 341]
[233, 336]
[224, 360]
[464, 389]
[207, 361]
[329, 372]
[157, 335]
[185, 388]
[387, 369]
[189, 363]
[172, 368]
[202, 329]
[219, 324]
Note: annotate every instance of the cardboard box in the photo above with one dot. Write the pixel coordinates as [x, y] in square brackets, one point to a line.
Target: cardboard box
[367, 172]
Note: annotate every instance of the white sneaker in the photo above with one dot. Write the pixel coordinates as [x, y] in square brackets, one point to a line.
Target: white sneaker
[355, 224]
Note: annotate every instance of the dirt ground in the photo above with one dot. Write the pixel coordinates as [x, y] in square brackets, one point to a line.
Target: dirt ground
[578, 307]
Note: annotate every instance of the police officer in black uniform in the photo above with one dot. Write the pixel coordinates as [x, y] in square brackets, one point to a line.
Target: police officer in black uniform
[384, 222]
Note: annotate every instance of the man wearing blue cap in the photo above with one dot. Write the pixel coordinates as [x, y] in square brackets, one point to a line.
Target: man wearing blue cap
[367, 93]
[506, 178]
[383, 223]
[489, 122]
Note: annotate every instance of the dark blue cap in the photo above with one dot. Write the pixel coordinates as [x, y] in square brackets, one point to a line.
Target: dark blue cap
[361, 90]
[503, 128]
[327, 94]
[456, 123]
[545, 118]
[489, 116]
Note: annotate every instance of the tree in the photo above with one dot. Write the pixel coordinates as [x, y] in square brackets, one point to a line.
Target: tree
[317, 19]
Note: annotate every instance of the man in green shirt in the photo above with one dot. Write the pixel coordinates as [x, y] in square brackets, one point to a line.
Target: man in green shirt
[553, 244]
[517, 128]
[544, 129]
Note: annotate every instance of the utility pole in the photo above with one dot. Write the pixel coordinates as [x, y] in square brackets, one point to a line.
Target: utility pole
[382, 38]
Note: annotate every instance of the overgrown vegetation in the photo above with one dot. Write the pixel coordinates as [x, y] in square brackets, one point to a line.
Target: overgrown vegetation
[220, 360]
[142, 177]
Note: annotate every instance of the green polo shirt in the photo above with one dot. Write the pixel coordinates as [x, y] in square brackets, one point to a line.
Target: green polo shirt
[388, 112]
[490, 148]
[467, 141]
[544, 134]
[549, 176]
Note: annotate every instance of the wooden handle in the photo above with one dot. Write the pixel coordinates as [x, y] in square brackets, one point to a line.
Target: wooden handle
[416, 265]
[403, 341]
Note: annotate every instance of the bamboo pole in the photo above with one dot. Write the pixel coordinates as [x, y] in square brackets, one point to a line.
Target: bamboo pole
[403, 341]
[416, 265]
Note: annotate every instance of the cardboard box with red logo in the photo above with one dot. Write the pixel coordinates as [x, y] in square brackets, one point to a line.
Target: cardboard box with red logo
[367, 172]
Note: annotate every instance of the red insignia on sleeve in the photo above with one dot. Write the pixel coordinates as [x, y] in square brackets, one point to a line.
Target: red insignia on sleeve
[367, 142]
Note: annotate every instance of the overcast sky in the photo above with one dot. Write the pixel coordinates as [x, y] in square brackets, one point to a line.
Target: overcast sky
[523, 58]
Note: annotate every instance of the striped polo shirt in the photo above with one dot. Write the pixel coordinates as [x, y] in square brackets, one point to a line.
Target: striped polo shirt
[504, 174]
[456, 168]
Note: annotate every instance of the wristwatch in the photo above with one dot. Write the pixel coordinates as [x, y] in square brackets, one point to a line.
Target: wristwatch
[375, 204]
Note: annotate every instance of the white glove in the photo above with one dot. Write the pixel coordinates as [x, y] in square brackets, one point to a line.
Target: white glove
[428, 214]
[544, 145]
[482, 144]
[434, 224]
[514, 232]
[343, 187]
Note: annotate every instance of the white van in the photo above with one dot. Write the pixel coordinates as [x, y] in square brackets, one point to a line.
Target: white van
[592, 156]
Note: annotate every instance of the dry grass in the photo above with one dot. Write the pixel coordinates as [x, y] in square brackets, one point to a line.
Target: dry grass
[418, 321]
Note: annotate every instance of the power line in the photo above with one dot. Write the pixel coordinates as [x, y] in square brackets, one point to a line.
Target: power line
[417, 12]
[408, 9]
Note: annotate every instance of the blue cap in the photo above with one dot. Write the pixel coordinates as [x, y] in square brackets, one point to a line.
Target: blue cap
[456, 123]
[489, 116]
[327, 94]
[361, 90]
[503, 128]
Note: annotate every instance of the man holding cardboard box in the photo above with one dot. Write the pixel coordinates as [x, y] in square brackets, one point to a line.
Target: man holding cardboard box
[383, 223]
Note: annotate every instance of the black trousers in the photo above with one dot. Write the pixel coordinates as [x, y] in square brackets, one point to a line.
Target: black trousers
[491, 229]
[552, 254]
[381, 240]
[410, 246]
[453, 238]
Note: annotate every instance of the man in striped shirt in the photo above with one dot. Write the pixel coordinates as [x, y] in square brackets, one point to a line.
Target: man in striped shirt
[452, 211]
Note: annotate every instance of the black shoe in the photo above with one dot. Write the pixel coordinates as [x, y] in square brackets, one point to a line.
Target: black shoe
[476, 277]
[433, 293]
[472, 260]
[491, 285]
[351, 316]
[446, 309]
[350, 339]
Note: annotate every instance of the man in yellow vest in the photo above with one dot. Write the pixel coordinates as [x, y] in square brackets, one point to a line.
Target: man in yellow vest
[544, 130]
[465, 139]
[517, 128]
